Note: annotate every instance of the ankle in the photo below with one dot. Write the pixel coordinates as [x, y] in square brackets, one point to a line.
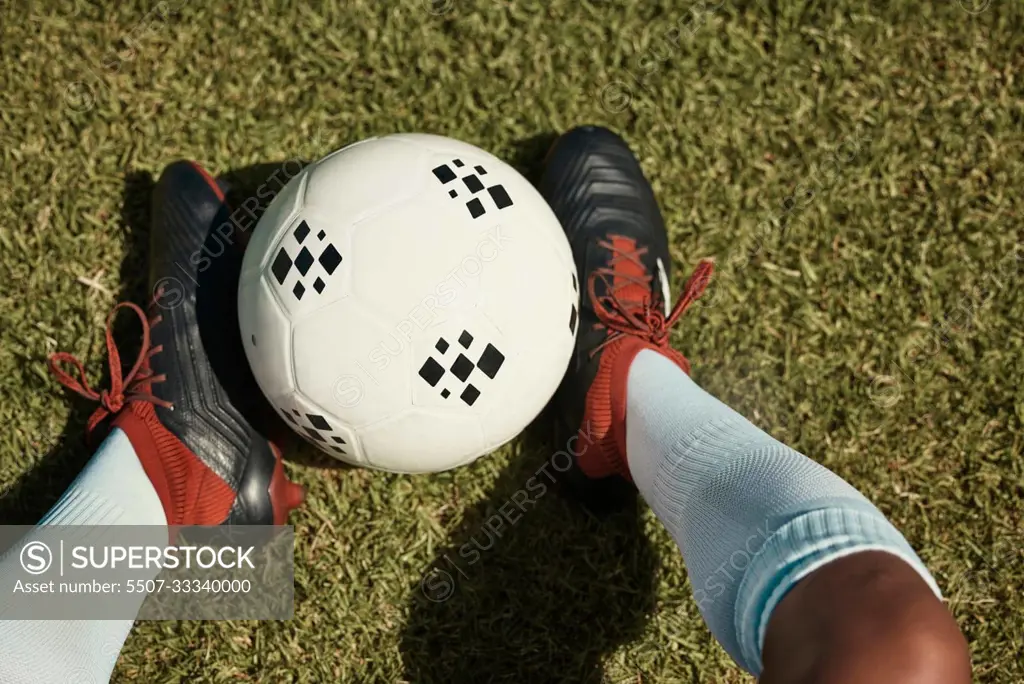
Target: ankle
[191, 493]
[617, 360]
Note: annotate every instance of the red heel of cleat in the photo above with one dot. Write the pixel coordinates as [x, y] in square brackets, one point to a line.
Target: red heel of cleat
[285, 495]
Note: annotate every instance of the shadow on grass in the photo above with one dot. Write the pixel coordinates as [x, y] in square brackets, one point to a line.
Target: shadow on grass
[532, 587]
[38, 489]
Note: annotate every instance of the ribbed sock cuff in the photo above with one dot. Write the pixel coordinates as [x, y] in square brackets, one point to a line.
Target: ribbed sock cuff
[797, 549]
[112, 489]
[78, 507]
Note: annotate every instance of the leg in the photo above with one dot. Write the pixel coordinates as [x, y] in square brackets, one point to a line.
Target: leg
[182, 449]
[797, 574]
[864, 618]
[113, 489]
[791, 566]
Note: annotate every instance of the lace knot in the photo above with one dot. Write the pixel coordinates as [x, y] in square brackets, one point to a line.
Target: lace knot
[644, 320]
[113, 403]
[123, 390]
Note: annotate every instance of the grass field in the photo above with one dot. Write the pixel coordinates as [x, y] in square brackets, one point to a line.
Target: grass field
[855, 167]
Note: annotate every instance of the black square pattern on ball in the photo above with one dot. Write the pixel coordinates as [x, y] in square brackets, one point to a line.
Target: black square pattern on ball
[316, 429]
[444, 174]
[470, 394]
[329, 259]
[500, 198]
[476, 208]
[282, 264]
[461, 368]
[431, 371]
[319, 422]
[490, 361]
[304, 261]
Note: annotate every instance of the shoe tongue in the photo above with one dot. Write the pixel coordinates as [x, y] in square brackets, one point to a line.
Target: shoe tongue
[628, 274]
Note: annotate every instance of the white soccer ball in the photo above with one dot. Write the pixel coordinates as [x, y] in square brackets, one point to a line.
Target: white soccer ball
[408, 303]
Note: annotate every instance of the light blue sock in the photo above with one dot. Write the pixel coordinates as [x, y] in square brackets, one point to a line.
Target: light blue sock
[113, 489]
[751, 516]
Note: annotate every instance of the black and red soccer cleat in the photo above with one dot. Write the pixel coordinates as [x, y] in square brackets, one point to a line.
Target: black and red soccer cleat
[189, 403]
[607, 208]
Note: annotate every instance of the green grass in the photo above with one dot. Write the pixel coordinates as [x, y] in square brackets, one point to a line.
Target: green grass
[874, 322]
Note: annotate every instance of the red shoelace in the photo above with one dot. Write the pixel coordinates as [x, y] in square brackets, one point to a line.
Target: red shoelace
[639, 318]
[123, 390]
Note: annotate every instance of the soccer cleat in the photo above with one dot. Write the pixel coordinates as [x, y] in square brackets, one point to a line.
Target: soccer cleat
[189, 402]
[597, 190]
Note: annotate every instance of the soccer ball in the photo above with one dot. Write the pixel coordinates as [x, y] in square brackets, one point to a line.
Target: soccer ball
[408, 303]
